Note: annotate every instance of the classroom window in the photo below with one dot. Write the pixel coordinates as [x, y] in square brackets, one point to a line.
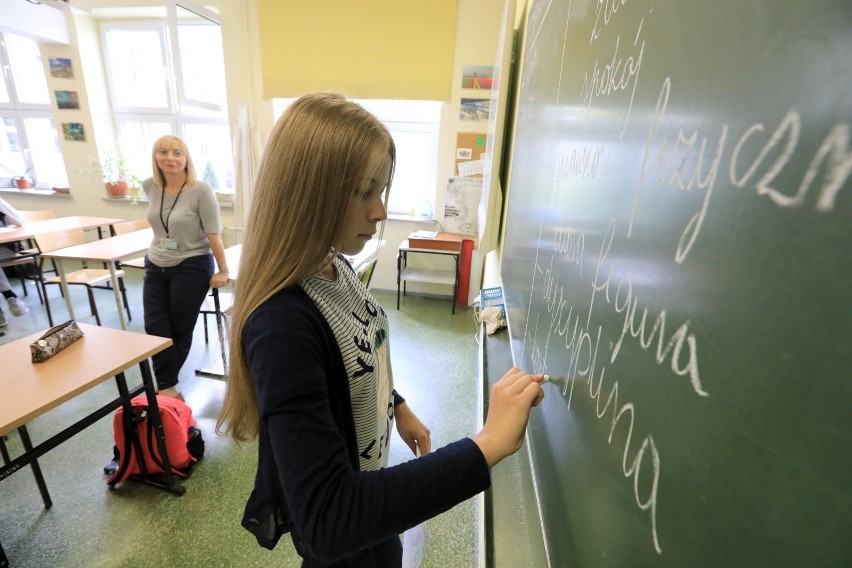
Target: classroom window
[414, 126]
[167, 76]
[29, 142]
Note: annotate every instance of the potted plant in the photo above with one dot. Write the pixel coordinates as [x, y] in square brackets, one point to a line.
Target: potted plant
[111, 168]
[136, 191]
[21, 181]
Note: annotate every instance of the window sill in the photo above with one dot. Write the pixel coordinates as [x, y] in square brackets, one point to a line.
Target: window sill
[34, 192]
[410, 218]
[144, 201]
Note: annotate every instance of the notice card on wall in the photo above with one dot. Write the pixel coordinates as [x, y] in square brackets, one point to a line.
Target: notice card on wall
[461, 205]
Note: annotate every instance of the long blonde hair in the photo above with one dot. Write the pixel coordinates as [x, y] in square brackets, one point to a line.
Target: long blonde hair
[319, 152]
[165, 143]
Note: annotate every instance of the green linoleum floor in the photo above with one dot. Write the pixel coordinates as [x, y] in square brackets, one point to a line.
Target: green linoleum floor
[435, 359]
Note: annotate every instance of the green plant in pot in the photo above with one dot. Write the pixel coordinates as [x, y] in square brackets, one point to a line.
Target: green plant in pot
[111, 168]
[21, 181]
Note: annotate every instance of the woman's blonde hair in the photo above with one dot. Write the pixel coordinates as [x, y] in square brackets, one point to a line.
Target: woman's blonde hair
[322, 149]
[165, 143]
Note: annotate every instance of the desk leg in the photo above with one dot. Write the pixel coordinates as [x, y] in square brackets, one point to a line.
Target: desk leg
[456, 283]
[42, 486]
[398, 275]
[44, 293]
[114, 279]
[64, 284]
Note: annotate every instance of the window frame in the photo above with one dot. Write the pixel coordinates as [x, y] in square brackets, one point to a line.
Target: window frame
[180, 111]
[392, 114]
[19, 112]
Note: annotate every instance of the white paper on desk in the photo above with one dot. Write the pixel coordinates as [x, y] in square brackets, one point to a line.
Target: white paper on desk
[414, 542]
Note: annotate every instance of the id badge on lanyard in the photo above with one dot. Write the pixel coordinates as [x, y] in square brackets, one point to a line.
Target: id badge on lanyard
[168, 244]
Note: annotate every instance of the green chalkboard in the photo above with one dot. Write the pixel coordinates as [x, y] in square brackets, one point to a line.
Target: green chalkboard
[677, 246]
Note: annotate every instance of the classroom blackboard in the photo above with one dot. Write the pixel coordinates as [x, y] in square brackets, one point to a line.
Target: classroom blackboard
[677, 246]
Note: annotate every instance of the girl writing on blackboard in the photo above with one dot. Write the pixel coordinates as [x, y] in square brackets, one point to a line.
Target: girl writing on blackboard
[310, 372]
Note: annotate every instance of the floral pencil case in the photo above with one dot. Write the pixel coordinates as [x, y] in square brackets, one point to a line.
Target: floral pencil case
[55, 340]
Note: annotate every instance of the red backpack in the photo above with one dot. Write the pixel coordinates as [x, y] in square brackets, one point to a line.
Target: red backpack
[184, 443]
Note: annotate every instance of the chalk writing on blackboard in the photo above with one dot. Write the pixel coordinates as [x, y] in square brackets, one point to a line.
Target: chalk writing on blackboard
[582, 344]
[615, 74]
[680, 164]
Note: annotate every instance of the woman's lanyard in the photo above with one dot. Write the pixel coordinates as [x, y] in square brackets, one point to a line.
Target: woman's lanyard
[162, 199]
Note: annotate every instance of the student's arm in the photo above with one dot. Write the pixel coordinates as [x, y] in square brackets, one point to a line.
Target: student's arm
[509, 406]
[411, 430]
[336, 509]
[13, 217]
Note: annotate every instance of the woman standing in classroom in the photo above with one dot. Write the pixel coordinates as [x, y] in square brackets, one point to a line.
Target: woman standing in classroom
[310, 369]
[184, 215]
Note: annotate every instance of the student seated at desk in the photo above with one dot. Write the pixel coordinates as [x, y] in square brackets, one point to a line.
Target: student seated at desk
[9, 216]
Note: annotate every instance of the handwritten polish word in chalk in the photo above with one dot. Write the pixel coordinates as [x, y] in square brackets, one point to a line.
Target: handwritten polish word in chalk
[618, 74]
[671, 165]
[628, 304]
[605, 10]
[581, 162]
[582, 362]
[570, 242]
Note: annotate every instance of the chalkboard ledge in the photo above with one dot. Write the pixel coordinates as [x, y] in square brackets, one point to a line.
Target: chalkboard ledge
[512, 527]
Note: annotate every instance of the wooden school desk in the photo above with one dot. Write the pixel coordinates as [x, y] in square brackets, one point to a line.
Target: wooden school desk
[28, 390]
[107, 250]
[35, 228]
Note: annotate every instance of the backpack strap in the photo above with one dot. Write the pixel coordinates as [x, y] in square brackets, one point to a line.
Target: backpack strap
[153, 451]
[123, 471]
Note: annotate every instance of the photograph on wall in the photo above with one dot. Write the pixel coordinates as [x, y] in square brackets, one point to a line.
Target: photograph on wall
[478, 77]
[61, 67]
[461, 204]
[475, 109]
[73, 131]
[67, 100]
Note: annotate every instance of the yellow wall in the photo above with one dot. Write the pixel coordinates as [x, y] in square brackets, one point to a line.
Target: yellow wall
[382, 49]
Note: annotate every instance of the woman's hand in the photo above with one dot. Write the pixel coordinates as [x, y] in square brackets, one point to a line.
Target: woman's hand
[219, 279]
[512, 398]
[411, 430]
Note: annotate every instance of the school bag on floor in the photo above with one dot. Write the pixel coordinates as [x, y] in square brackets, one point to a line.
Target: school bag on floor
[184, 443]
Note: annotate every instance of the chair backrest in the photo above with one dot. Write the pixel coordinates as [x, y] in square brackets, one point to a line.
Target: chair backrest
[52, 241]
[130, 226]
[38, 215]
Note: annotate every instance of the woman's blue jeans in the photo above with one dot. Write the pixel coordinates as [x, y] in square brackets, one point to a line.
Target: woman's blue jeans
[172, 298]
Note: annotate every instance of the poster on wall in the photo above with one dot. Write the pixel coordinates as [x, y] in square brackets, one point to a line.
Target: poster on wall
[61, 67]
[478, 77]
[67, 99]
[73, 131]
[461, 204]
[475, 109]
